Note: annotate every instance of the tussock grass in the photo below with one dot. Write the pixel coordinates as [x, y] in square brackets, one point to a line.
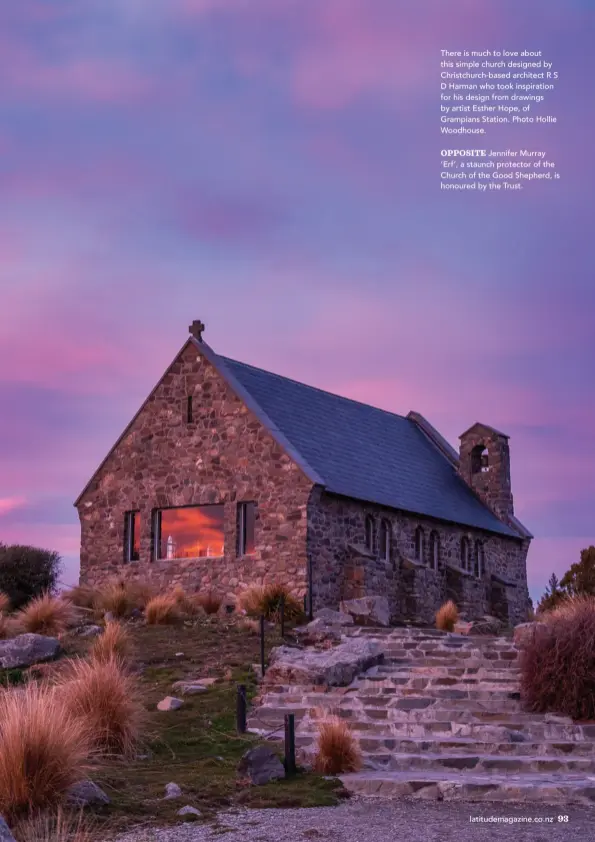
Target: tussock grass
[106, 699]
[4, 603]
[48, 615]
[187, 603]
[60, 826]
[558, 663]
[210, 602]
[43, 749]
[266, 599]
[113, 642]
[447, 616]
[162, 610]
[337, 750]
[83, 596]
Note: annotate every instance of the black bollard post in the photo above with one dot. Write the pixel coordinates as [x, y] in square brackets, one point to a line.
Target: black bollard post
[290, 768]
[282, 614]
[241, 709]
[262, 667]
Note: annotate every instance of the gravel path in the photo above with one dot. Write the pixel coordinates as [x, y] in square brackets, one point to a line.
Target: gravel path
[402, 821]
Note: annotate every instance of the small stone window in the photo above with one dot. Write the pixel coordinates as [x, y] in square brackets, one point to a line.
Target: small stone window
[434, 550]
[246, 523]
[479, 459]
[132, 536]
[370, 530]
[465, 553]
[479, 560]
[189, 412]
[419, 545]
[385, 536]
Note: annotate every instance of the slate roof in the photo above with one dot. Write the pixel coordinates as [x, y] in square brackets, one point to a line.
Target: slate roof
[362, 452]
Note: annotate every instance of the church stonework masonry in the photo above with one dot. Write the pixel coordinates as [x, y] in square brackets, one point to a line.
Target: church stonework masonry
[230, 475]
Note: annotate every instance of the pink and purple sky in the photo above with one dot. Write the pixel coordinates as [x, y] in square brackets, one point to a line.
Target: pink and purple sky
[272, 167]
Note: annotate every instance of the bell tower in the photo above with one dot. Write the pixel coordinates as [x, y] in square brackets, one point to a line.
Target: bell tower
[484, 464]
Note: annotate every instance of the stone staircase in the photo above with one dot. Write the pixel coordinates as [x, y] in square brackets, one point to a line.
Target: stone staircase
[441, 718]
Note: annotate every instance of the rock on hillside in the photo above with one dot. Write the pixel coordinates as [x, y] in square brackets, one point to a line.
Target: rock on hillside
[26, 650]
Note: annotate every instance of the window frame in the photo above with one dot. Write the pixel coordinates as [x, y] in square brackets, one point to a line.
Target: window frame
[420, 548]
[385, 540]
[132, 521]
[157, 527]
[241, 520]
[189, 410]
[370, 532]
[434, 550]
[479, 559]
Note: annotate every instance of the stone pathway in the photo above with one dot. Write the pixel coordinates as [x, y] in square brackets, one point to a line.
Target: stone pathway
[441, 719]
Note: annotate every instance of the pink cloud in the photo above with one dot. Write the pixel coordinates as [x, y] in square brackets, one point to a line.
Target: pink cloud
[9, 504]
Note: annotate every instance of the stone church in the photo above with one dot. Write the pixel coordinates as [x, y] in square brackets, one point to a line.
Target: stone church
[229, 475]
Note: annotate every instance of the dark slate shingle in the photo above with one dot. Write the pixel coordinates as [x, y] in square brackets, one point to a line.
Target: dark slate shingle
[365, 453]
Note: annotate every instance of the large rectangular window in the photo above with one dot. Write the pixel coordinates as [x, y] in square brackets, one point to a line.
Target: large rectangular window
[189, 532]
[132, 536]
[246, 521]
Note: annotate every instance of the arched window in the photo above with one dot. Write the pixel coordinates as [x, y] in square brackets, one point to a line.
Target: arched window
[479, 560]
[419, 545]
[479, 459]
[464, 553]
[434, 550]
[385, 532]
[370, 529]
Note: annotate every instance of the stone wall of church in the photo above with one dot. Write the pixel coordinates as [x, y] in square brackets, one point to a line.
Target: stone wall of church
[415, 591]
[222, 456]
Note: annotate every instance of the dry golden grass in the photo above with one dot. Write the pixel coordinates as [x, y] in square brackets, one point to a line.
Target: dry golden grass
[121, 597]
[447, 616]
[252, 626]
[107, 700]
[43, 749]
[54, 827]
[48, 615]
[162, 610]
[266, 600]
[337, 750]
[4, 603]
[114, 642]
[210, 602]
[83, 596]
[569, 607]
[187, 603]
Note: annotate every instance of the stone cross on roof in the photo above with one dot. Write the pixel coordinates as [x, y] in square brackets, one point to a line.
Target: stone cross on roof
[196, 329]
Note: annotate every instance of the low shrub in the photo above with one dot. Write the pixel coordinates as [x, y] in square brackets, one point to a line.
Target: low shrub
[188, 604]
[162, 610]
[4, 603]
[337, 750]
[43, 749]
[122, 597]
[209, 602]
[558, 662]
[447, 616]
[27, 572]
[47, 614]
[266, 600]
[113, 642]
[106, 699]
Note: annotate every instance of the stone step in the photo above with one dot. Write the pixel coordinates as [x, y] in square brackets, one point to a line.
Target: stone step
[518, 764]
[450, 785]
[379, 746]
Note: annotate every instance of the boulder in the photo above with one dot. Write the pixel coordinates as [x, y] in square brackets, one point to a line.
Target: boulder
[86, 794]
[27, 649]
[487, 625]
[318, 633]
[189, 812]
[526, 632]
[333, 618]
[5, 834]
[172, 790]
[170, 703]
[368, 610]
[261, 765]
[336, 667]
[89, 631]
[462, 627]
